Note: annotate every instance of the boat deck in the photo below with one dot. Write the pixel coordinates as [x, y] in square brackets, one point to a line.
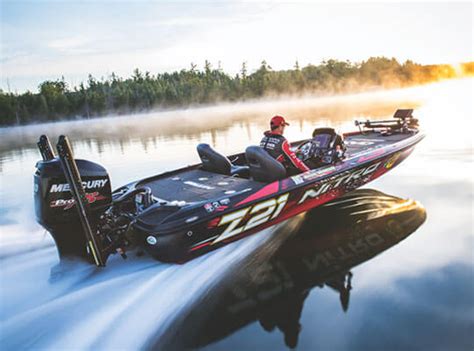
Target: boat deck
[198, 185]
[369, 140]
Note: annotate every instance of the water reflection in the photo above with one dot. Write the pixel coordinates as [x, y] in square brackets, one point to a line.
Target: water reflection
[271, 287]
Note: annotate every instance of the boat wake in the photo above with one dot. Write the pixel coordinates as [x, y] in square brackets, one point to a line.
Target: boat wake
[121, 306]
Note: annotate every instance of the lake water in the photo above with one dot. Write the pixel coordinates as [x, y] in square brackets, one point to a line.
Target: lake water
[257, 293]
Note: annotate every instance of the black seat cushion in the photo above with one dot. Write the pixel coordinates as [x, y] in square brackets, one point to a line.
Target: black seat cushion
[263, 167]
[212, 161]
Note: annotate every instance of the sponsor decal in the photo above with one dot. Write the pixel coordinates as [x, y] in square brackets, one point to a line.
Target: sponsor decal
[301, 178]
[270, 143]
[251, 217]
[370, 155]
[346, 180]
[209, 208]
[220, 205]
[90, 184]
[224, 202]
[389, 164]
[198, 185]
[68, 203]
[362, 142]
[297, 179]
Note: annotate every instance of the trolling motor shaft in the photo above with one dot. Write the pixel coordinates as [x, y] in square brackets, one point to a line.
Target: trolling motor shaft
[45, 148]
[74, 180]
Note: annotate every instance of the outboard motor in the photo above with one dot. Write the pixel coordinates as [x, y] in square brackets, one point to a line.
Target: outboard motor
[55, 205]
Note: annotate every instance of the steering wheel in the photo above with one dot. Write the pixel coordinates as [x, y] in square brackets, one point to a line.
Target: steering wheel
[305, 151]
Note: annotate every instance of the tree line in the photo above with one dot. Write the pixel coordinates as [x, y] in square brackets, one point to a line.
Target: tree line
[55, 100]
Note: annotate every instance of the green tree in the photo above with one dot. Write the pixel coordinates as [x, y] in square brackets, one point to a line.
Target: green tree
[144, 90]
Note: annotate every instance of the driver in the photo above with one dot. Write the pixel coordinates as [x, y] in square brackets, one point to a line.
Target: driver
[277, 146]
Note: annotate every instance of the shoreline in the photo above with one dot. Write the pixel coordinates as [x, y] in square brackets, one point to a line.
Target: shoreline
[246, 106]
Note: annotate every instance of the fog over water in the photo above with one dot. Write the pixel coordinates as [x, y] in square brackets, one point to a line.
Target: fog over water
[417, 294]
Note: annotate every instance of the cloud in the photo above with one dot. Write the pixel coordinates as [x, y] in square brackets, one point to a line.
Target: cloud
[77, 39]
[69, 44]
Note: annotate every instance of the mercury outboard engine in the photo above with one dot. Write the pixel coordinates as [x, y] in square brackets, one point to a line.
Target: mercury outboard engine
[56, 206]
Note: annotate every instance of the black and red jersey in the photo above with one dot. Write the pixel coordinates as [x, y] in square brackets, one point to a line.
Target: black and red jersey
[277, 146]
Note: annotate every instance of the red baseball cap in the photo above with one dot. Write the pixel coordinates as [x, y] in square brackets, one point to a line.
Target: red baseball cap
[278, 121]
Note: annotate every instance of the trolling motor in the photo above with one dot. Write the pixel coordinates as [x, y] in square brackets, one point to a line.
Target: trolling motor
[74, 202]
[45, 148]
[403, 122]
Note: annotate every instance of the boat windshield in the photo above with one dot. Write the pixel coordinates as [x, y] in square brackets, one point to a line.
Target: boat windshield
[322, 140]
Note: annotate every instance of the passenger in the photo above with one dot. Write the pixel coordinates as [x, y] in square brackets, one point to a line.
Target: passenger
[277, 146]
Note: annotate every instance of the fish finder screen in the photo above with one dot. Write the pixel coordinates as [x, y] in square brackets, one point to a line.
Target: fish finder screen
[322, 140]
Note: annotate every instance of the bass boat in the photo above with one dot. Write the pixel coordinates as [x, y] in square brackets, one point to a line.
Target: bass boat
[180, 214]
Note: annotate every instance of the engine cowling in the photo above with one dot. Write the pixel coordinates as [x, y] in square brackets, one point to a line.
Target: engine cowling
[55, 206]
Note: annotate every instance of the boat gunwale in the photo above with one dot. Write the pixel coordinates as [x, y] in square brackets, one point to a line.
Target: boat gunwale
[171, 227]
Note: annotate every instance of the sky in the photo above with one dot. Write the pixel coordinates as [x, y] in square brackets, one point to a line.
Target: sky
[47, 39]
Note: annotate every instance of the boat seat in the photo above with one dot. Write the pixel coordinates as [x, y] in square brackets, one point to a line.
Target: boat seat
[212, 161]
[263, 167]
